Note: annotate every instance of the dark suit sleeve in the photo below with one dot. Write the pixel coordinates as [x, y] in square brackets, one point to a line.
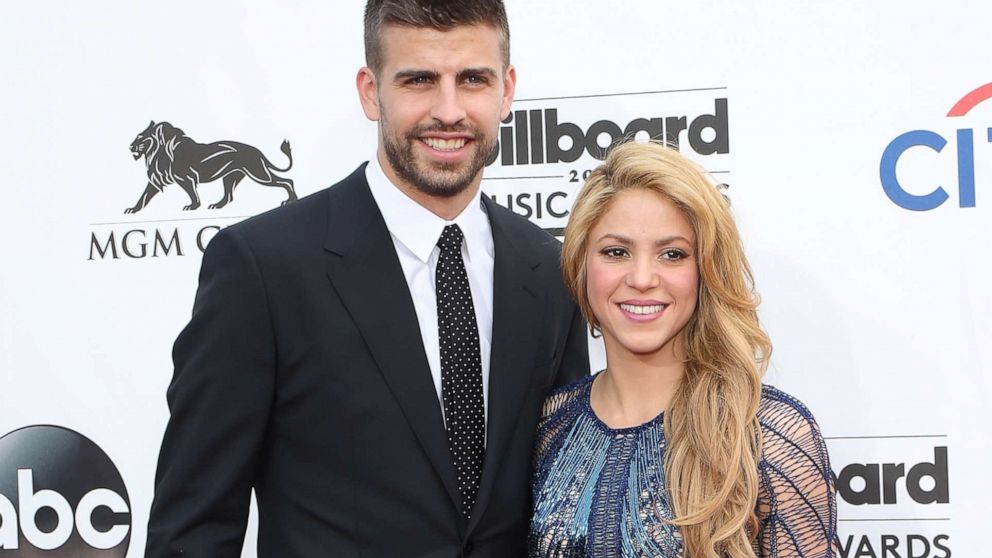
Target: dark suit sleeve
[219, 399]
[575, 359]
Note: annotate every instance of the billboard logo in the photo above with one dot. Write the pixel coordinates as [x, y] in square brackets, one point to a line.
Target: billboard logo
[60, 493]
[172, 157]
[895, 546]
[893, 496]
[965, 139]
[536, 137]
[875, 483]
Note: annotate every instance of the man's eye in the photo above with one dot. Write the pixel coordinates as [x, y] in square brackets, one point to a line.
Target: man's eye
[418, 80]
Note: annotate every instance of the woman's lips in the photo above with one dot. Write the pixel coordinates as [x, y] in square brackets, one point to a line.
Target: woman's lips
[642, 311]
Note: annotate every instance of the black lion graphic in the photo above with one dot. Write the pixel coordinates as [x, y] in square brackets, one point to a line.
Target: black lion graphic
[172, 157]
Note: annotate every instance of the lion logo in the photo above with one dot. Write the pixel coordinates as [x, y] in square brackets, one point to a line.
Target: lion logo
[172, 157]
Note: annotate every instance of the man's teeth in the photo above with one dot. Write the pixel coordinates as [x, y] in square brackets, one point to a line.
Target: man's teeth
[445, 144]
[653, 309]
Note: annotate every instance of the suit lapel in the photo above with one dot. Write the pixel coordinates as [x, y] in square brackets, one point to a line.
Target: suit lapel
[517, 311]
[366, 273]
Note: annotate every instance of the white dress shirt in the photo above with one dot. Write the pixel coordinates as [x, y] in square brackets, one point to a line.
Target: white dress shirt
[415, 232]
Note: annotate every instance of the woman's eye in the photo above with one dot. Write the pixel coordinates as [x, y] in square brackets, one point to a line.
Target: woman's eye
[614, 252]
[673, 254]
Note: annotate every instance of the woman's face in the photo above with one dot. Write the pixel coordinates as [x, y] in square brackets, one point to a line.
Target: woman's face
[641, 273]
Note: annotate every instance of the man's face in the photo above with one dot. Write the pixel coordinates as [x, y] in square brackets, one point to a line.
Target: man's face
[438, 97]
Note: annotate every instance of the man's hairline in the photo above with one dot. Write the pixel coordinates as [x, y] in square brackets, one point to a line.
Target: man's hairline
[504, 39]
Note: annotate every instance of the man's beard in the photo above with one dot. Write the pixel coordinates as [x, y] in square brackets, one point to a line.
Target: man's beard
[440, 180]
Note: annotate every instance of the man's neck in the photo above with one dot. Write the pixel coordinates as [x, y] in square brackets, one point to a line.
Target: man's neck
[446, 208]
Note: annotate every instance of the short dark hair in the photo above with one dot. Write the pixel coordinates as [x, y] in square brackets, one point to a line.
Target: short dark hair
[442, 15]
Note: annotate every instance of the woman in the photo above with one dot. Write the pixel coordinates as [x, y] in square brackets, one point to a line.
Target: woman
[676, 449]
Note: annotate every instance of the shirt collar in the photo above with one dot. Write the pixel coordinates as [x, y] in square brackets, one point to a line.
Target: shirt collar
[417, 228]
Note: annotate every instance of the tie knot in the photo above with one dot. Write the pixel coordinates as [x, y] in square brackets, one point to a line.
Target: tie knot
[451, 238]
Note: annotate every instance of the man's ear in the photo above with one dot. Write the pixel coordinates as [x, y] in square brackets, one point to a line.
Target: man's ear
[509, 87]
[368, 93]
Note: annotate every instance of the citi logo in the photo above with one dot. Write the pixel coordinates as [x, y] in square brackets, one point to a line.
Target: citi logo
[61, 494]
[878, 483]
[964, 138]
[541, 136]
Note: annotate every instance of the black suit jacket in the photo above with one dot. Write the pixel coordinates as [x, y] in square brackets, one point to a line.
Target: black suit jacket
[302, 375]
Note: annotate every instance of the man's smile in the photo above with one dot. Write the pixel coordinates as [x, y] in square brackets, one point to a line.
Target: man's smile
[441, 144]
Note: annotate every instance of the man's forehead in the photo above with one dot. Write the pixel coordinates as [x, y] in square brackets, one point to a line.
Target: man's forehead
[462, 45]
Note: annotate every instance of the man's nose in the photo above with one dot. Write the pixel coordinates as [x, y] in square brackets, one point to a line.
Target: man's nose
[448, 107]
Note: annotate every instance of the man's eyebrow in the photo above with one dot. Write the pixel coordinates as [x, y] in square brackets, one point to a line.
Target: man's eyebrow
[405, 75]
[484, 71]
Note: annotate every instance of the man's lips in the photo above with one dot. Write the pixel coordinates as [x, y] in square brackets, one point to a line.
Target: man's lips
[445, 144]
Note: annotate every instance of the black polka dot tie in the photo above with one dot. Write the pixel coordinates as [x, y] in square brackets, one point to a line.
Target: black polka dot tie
[461, 367]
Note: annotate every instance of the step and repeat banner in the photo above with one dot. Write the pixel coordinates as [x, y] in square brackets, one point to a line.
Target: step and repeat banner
[855, 137]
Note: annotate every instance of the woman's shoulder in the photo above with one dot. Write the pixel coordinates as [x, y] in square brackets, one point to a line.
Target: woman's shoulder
[796, 492]
[788, 427]
[777, 404]
[565, 397]
[562, 408]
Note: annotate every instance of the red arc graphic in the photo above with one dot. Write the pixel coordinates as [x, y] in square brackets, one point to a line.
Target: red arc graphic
[969, 101]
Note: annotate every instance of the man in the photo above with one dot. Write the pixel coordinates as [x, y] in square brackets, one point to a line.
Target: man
[372, 359]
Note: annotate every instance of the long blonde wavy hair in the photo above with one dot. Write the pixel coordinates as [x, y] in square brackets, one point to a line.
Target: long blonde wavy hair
[711, 425]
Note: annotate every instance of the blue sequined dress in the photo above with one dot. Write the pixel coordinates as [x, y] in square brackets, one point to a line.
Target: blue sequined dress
[600, 492]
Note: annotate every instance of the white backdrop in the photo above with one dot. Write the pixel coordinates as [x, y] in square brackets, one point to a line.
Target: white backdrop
[881, 316]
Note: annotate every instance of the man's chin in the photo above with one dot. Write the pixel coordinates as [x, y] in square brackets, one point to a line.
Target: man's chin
[445, 179]
[442, 185]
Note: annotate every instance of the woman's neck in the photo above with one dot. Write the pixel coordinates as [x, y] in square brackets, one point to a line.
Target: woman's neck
[634, 390]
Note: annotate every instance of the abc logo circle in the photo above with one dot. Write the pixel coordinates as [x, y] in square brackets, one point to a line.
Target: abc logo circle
[60, 496]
